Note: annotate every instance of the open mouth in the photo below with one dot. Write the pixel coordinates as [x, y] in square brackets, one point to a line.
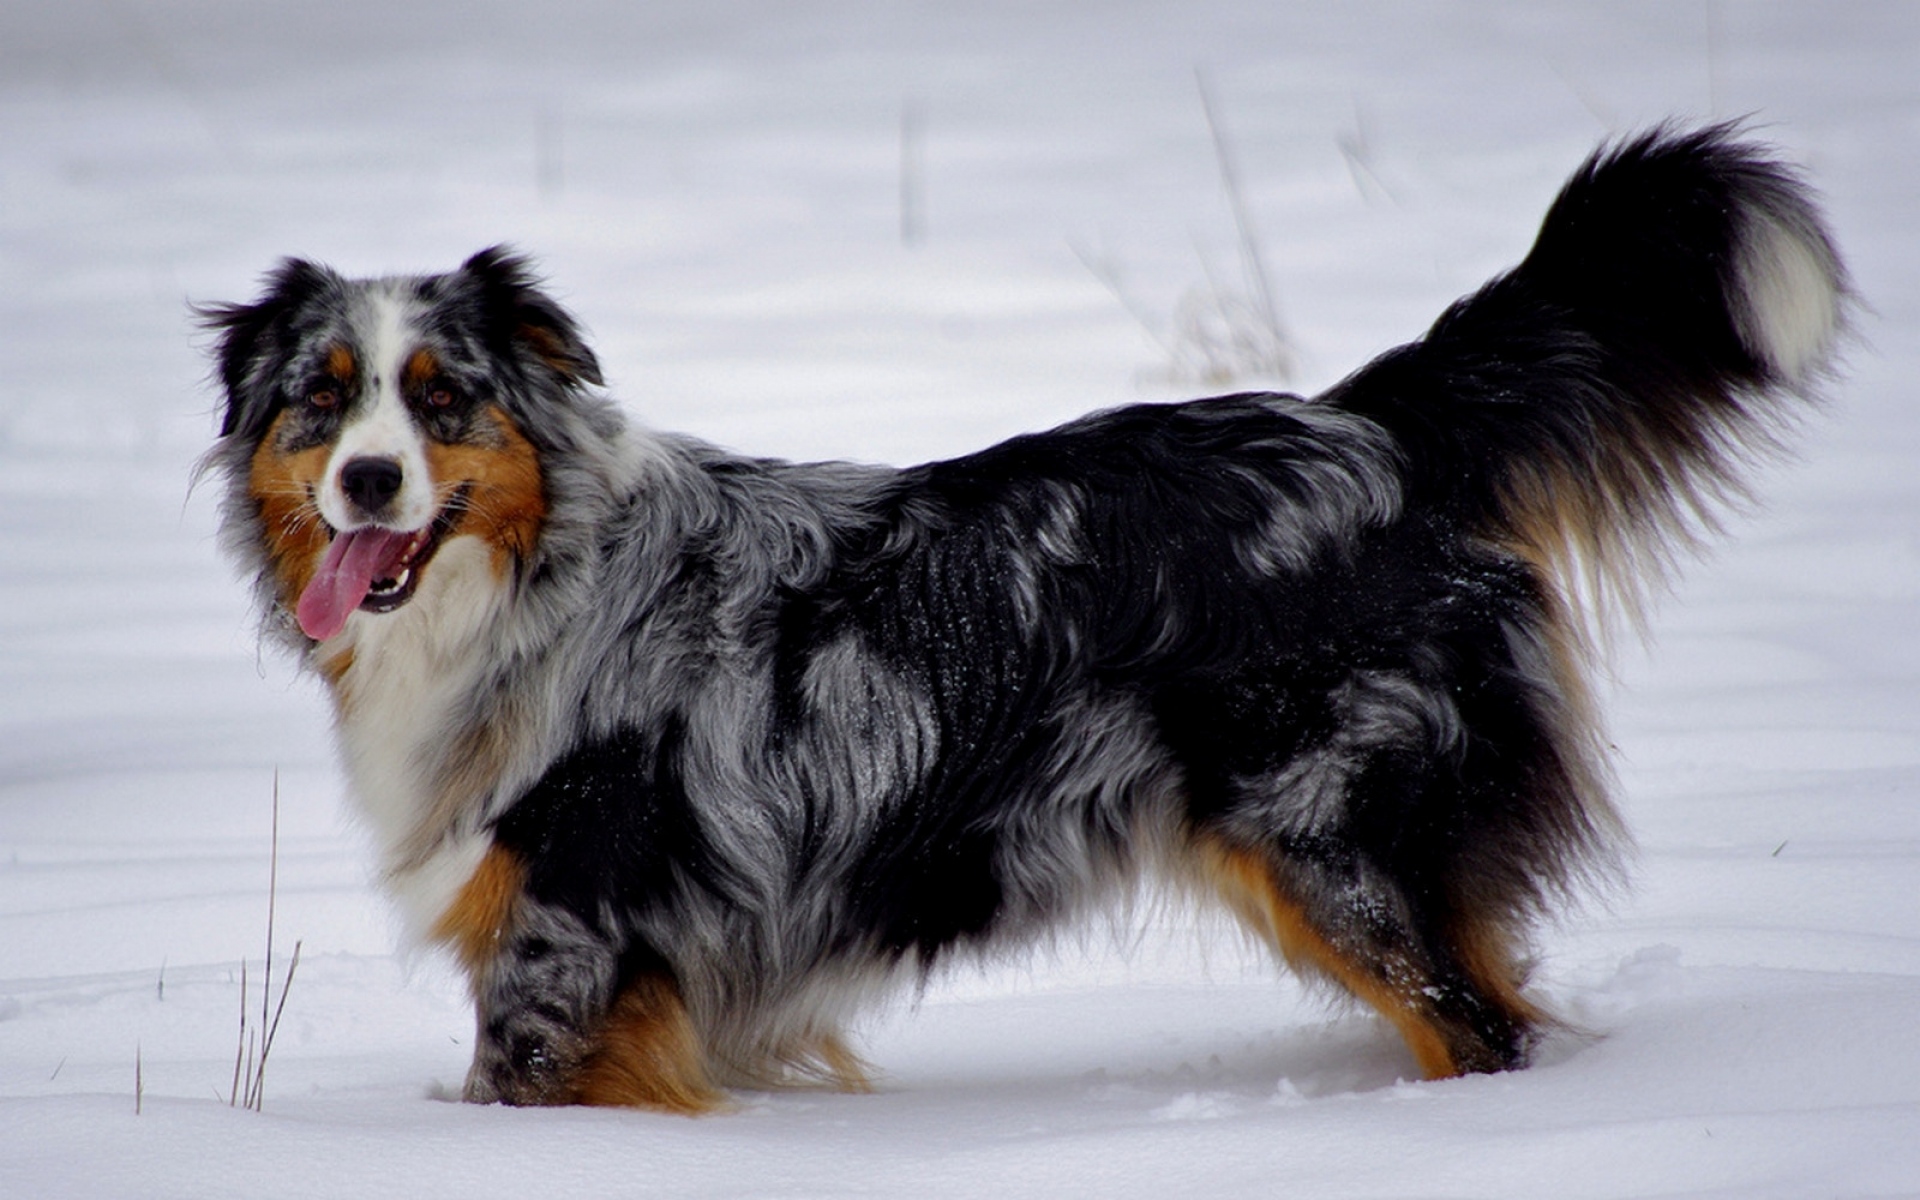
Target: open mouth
[394, 585]
[370, 569]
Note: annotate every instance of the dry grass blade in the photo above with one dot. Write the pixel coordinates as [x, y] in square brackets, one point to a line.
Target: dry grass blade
[254, 1045]
[240, 1044]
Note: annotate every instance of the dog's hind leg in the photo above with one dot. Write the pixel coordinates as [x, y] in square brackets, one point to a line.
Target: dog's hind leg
[1394, 827]
[1452, 996]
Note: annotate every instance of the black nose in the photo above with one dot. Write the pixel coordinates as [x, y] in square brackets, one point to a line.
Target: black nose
[370, 482]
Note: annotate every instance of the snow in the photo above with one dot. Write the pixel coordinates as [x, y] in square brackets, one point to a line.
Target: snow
[717, 189]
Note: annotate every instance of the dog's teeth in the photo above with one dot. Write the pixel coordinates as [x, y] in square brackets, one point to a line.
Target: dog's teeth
[383, 586]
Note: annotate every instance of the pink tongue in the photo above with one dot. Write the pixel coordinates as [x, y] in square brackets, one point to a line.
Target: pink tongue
[353, 562]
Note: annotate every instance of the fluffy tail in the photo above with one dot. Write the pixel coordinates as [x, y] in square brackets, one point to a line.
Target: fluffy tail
[1593, 408]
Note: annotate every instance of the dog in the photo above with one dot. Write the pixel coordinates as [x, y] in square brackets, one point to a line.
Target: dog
[686, 756]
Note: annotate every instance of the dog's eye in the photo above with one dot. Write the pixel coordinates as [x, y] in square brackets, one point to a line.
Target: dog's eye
[323, 398]
[441, 396]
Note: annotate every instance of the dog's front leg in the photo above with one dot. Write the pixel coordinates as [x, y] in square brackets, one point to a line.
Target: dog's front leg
[541, 1002]
[561, 1022]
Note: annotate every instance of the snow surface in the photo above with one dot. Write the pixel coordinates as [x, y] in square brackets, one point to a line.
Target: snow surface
[718, 189]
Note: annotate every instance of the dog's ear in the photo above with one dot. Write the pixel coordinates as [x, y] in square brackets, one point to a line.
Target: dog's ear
[255, 338]
[528, 318]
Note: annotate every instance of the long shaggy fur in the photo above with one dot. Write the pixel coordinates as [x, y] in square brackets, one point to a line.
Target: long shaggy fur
[684, 754]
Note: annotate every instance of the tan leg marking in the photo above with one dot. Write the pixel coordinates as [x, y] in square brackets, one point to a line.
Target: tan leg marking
[476, 923]
[1248, 885]
[649, 1056]
[847, 1070]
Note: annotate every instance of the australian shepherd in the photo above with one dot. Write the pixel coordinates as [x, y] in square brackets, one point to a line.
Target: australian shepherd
[685, 755]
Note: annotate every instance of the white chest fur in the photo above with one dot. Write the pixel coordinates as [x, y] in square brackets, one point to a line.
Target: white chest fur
[408, 683]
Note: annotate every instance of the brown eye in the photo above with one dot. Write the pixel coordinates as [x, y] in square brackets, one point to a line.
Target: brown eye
[323, 398]
[440, 397]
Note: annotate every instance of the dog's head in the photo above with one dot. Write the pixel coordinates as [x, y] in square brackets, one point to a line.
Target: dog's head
[369, 424]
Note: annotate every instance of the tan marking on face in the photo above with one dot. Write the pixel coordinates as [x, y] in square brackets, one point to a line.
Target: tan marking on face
[506, 495]
[340, 364]
[420, 370]
[284, 486]
[647, 1055]
[476, 923]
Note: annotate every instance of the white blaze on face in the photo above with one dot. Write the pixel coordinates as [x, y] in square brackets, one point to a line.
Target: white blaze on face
[381, 426]
[368, 546]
